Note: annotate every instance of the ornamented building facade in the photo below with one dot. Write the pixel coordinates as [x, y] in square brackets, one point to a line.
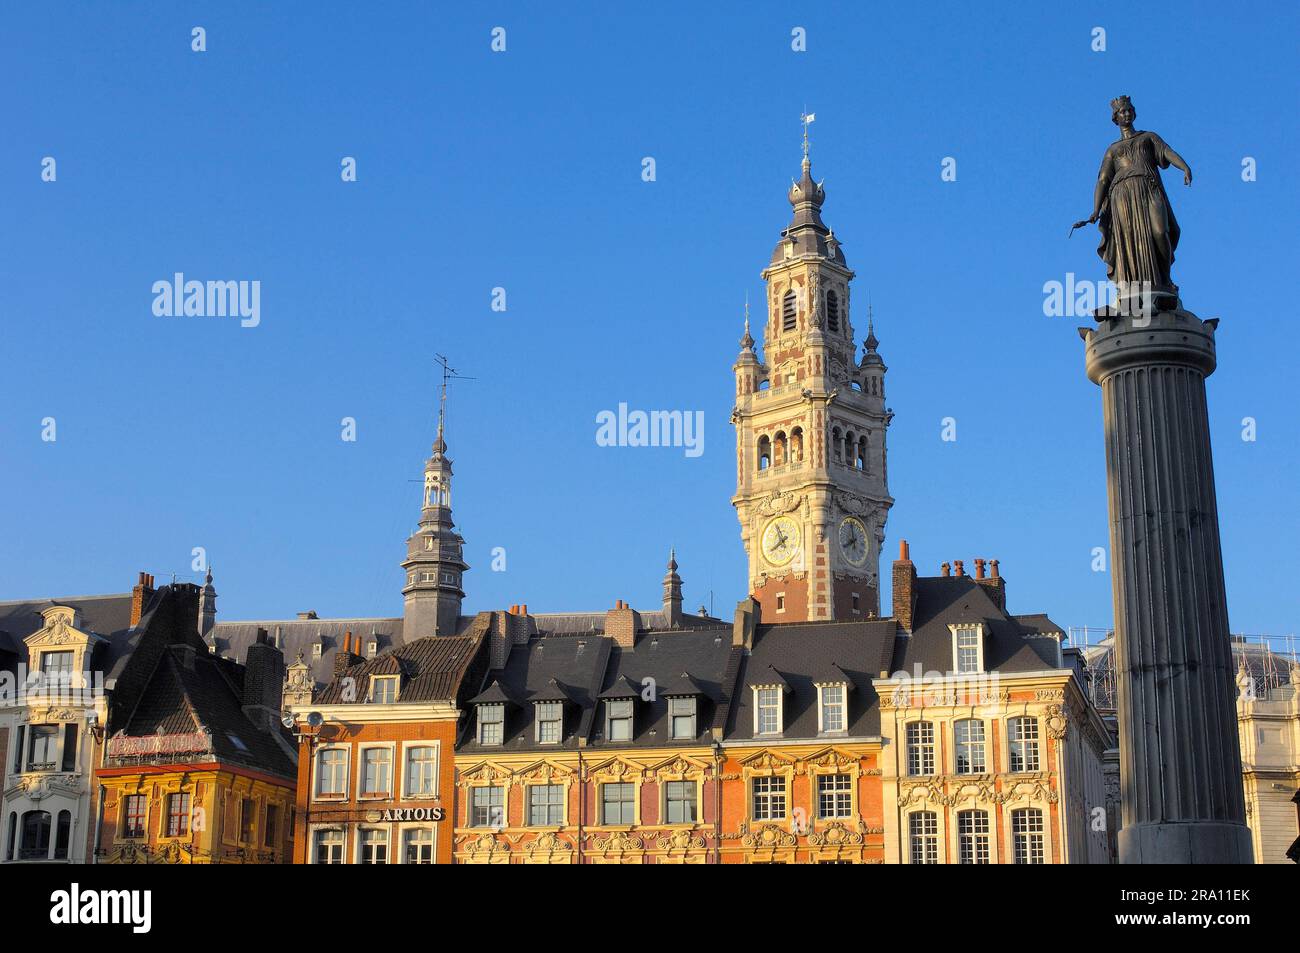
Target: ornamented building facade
[811, 479]
[201, 772]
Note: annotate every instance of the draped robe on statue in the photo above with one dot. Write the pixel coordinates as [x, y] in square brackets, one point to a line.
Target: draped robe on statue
[1139, 233]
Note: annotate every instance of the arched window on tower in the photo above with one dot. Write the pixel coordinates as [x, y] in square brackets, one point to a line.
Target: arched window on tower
[832, 311]
[764, 452]
[796, 445]
[779, 449]
[850, 447]
[861, 461]
[837, 445]
[789, 311]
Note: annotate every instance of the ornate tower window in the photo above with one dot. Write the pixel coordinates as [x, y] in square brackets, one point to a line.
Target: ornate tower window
[832, 311]
[789, 312]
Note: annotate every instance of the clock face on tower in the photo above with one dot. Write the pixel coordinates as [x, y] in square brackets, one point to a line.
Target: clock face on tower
[780, 540]
[853, 541]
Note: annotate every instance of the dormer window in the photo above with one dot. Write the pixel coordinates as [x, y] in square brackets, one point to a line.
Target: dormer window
[831, 708]
[967, 648]
[767, 711]
[316, 649]
[372, 648]
[383, 689]
[550, 723]
[681, 711]
[56, 665]
[491, 724]
[618, 719]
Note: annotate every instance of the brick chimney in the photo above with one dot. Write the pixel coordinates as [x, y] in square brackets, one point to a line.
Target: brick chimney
[140, 596]
[957, 568]
[994, 583]
[904, 587]
[622, 623]
[263, 682]
[345, 657]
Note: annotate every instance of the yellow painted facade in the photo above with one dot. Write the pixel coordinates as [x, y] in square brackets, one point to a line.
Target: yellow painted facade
[233, 817]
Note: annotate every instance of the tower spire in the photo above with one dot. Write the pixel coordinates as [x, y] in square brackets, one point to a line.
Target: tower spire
[434, 560]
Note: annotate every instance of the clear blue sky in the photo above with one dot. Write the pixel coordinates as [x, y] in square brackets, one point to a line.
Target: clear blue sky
[522, 170]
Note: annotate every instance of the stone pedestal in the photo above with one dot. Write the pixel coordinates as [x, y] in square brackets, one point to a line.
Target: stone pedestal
[1180, 763]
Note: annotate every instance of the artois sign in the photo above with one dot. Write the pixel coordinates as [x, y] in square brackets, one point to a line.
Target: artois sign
[407, 814]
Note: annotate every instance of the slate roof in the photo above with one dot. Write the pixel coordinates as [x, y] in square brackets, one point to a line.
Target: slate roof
[432, 669]
[293, 636]
[1013, 643]
[593, 672]
[593, 623]
[191, 691]
[108, 616]
[804, 653]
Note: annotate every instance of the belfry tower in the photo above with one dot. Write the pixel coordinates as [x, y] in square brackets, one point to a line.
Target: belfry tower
[434, 560]
[811, 489]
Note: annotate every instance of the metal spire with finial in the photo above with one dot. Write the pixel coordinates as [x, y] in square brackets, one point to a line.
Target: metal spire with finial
[448, 373]
[747, 342]
[807, 118]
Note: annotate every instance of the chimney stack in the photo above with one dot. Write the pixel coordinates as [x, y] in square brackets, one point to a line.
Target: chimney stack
[140, 596]
[904, 587]
[748, 616]
[345, 658]
[957, 568]
[622, 623]
[997, 588]
[979, 568]
[944, 570]
[263, 682]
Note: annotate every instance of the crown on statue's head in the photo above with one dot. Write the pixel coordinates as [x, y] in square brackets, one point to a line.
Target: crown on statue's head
[1120, 102]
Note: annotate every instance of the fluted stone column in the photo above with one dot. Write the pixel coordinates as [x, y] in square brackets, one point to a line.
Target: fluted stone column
[1180, 761]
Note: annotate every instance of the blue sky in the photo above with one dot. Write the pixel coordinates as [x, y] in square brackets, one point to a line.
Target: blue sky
[522, 170]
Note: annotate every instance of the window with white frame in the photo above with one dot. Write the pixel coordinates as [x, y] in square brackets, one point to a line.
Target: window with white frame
[491, 724]
[831, 716]
[1023, 746]
[383, 689]
[768, 797]
[43, 747]
[487, 807]
[681, 710]
[332, 772]
[618, 719]
[545, 805]
[550, 723]
[616, 803]
[968, 649]
[56, 669]
[767, 711]
[417, 845]
[834, 795]
[1027, 835]
[373, 846]
[969, 737]
[328, 846]
[920, 748]
[421, 771]
[923, 837]
[376, 772]
[680, 802]
[973, 837]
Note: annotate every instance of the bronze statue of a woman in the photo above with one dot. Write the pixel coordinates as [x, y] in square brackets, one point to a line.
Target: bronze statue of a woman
[1139, 233]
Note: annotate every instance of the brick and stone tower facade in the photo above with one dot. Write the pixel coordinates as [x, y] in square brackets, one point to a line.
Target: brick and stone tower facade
[811, 489]
[434, 561]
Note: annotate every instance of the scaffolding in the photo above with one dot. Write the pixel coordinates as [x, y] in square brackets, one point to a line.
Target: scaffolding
[1268, 660]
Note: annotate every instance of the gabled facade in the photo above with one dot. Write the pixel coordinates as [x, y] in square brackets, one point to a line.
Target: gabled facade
[198, 770]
